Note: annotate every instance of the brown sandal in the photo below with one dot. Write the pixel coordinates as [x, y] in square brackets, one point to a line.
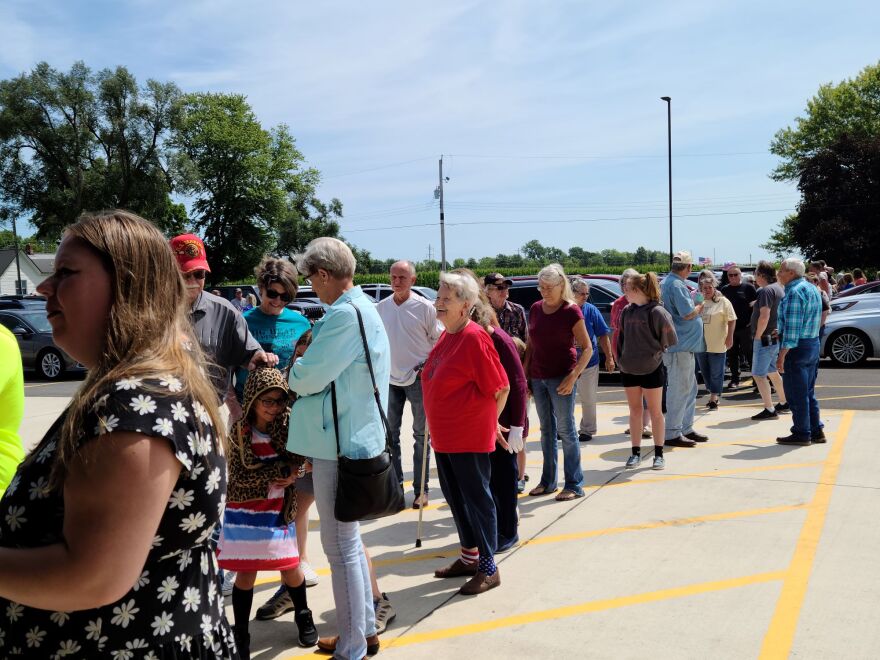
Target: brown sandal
[568, 496]
[541, 490]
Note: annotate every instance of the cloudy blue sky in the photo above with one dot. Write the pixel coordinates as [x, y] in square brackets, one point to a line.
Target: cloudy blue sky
[548, 113]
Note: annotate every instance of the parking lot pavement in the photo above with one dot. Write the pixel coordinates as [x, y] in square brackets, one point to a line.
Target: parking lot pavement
[741, 548]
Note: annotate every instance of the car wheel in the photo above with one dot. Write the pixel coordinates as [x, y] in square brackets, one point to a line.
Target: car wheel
[848, 348]
[50, 364]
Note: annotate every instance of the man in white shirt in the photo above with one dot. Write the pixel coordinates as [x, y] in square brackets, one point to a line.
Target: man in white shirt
[411, 323]
[239, 301]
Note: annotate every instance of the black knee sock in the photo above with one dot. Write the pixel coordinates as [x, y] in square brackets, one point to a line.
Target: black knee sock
[242, 600]
[637, 451]
[658, 450]
[298, 596]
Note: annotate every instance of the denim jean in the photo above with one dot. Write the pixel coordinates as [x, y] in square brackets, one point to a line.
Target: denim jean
[588, 393]
[681, 393]
[556, 414]
[799, 381]
[712, 368]
[350, 575]
[397, 397]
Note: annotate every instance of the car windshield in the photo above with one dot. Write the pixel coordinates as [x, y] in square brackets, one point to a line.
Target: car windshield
[36, 319]
[612, 286]
[428, 292]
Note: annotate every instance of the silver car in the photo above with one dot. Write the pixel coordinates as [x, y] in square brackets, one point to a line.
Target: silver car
[38, 350]
[852, 331]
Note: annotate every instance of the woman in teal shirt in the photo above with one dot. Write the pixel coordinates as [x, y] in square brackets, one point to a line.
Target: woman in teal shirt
[336, 355]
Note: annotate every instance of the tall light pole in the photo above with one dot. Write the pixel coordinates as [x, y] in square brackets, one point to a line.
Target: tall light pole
[438, 194]
[668, 100]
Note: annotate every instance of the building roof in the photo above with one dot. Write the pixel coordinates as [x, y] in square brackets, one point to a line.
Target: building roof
[7, 258]
[45, 263]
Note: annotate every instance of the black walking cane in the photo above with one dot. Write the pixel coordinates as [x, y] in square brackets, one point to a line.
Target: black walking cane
[424, 468]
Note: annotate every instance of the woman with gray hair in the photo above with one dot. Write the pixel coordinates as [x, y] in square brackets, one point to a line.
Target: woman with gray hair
[465, 390]
[719, 325]
[335, 367]
[552, 364]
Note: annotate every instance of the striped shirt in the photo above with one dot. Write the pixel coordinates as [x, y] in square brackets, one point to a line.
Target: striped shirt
[800, 312]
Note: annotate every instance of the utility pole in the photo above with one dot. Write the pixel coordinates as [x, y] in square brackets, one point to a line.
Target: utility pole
[442, 223]
[430, 252]
[668, 101]
[18, 288]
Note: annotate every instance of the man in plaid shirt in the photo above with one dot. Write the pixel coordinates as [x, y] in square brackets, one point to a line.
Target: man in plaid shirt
[800, 314]
[511, 316]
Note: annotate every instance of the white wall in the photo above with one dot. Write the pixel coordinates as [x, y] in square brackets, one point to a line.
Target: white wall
[29, 273]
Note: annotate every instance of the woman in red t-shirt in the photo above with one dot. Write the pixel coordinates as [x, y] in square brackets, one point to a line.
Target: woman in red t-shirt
[552, 365]
[464, 390]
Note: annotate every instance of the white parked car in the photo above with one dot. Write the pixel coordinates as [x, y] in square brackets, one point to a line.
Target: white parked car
[852, 331]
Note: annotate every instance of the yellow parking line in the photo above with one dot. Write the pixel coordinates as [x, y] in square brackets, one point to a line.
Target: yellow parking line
[579, 609]
[577, 536]
[780, 635]
[827, 398]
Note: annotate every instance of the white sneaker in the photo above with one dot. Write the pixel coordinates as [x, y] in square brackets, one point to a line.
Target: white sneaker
[309, 572]
[228, 582]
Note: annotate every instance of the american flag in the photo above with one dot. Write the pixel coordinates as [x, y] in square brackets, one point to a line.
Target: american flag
[705, 261]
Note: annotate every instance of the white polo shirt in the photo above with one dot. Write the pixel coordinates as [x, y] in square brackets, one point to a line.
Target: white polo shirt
[412, 329]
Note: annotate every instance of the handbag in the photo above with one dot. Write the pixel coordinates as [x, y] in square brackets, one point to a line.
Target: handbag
[366, 488]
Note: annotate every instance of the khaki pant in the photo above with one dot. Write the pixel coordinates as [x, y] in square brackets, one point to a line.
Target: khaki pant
[588, 391]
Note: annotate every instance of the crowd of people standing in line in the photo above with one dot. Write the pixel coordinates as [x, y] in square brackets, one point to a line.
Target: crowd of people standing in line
[205, 429]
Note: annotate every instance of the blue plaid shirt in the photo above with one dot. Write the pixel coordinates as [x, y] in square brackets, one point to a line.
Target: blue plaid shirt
[800, 312]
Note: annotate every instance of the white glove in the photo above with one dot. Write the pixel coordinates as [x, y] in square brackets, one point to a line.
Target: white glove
[515, 440]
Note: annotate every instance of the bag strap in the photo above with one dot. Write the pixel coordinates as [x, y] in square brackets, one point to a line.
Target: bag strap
[335, 417]
[376, 395]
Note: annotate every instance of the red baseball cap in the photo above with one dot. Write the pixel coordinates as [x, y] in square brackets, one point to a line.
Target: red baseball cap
[190, 253]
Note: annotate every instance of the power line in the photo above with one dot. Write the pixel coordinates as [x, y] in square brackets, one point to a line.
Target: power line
[378, 167]
[607, 157]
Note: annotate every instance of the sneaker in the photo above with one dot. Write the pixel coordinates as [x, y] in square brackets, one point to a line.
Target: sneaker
[633, 461]
[308, 634]
[659, 463]
[309, 573]
[584, 437]
[384, 613]
[520, 485]
[765, 414]
[782, 408]
[228, 582]
[280, 603]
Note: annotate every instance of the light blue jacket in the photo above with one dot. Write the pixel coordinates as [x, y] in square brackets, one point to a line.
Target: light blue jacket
[337, 354]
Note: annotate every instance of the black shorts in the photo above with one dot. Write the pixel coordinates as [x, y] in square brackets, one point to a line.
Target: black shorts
[651, 381]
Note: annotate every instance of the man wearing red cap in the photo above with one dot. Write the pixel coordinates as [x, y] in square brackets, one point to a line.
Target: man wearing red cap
[222, 332]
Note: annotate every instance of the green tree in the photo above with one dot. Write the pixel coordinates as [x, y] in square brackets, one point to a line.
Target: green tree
[306, 219]
[641, 256]
[242, 178]
[533, 251]
[77, 141]
[837, 216]
[851, 107]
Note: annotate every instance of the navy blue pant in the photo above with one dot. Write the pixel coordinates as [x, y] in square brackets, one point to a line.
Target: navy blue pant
[799, 381]
[464, 480]
[503, 485]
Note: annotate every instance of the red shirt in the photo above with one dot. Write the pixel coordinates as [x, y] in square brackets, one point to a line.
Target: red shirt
[459, 383]
[551, 340]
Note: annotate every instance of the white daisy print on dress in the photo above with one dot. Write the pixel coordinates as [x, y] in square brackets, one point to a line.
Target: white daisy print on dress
[142, 581]
[185, 460]
[162, 624]
[185, 642]
[34, 637]
[179, 412]
[202, 413]
[168, 589]
[143, 404]
[93, 629]
[14, 612]
[191, 599]
[59, 618]
[122, 654]
[163, 427]
[193, 522]
[15, 517]
[124, 613]
[68, 647]
[128, 383]
[173, 384]
[39, 489]
[212, 483]
[180, 499]
[46, 452]
[106, 424]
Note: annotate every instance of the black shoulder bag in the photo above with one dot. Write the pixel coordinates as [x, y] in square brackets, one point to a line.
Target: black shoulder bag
[367, 488]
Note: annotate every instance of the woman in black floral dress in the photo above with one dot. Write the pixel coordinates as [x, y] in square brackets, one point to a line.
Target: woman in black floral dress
[105, 529]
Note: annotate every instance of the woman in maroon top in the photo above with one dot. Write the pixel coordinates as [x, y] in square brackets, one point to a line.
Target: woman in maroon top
[464, 390]
[552, 365]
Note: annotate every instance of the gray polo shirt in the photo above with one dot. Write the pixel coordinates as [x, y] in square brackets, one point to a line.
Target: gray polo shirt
[224, 336]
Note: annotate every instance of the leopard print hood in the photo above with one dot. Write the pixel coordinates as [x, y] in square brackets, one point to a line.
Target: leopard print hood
[257, 384]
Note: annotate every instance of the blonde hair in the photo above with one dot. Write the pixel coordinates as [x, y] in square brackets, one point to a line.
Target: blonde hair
[554, 275]
[149, 334]
[647, 284]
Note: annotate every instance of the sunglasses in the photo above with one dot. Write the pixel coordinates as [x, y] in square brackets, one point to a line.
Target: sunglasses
[499, 287]
[273, 294]
[195, 275]
[270, 402]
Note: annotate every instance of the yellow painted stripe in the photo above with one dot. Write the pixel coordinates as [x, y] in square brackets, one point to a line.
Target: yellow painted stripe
[827, 398]
[577, 536]
[585, 608]
[780, 635]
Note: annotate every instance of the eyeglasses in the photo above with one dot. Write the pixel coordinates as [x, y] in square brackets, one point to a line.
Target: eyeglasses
[547, 288]
[273, 294]
[499, 287]
[195, 275]
[734, 275]
[271, 403]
